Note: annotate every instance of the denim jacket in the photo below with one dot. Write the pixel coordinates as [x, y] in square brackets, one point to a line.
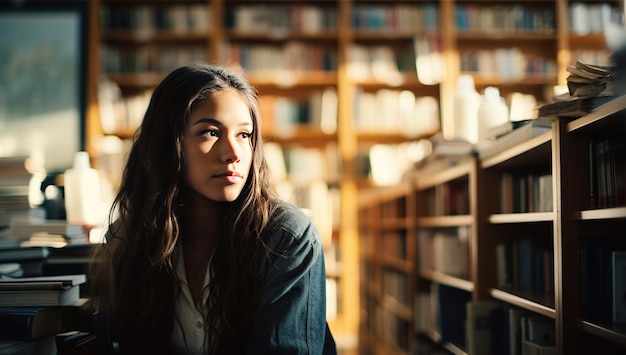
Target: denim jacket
[291, 313]
[291, 317]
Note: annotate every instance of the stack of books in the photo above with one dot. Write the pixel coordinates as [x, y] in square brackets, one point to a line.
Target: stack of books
[590, 80]
[28, 261]
[46, 232]
[41, 291]
[41, 315]
[14, 182]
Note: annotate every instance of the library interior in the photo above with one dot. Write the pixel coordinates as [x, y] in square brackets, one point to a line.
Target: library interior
[461, 159]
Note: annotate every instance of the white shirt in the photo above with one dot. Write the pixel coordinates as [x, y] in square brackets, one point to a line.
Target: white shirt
[188, 335]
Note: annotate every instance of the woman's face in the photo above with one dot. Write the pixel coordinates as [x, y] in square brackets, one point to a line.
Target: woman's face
[217, 146]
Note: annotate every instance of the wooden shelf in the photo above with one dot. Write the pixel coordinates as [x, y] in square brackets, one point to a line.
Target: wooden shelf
[444, 279]
[542, 304]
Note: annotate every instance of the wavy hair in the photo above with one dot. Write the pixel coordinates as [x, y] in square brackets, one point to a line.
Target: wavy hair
[132, 275]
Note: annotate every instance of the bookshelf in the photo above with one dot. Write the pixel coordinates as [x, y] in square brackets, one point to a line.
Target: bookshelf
[333, 42]
[546, 257]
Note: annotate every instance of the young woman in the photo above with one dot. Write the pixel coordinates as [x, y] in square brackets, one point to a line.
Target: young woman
[202, 257]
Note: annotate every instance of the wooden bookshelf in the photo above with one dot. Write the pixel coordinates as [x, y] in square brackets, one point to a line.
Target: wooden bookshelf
[558, 236]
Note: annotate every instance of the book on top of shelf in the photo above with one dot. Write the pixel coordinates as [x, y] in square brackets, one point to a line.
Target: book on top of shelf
[573, 106]
[590, 80]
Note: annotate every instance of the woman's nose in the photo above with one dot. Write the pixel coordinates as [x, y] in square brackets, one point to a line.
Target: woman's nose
[229, 150]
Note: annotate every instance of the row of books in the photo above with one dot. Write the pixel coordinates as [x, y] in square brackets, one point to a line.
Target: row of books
[395, 284]
[421, 56]
[507, 64]
[526, 193]
[445, 250]
[393, 245]
[120, 113]
[525, 266]
[392, 110]
[387, 164]
[287, 58]
[607, 173]
[514, 18]
[147, 58]
[603, 260]
[481, 327]
[45, 315]
[493, 327]
[282, 114]
[451, 198]
[279, 19]
[591, 56]
[592, 18]
[391, 328]
[181, 18]
[395, 17]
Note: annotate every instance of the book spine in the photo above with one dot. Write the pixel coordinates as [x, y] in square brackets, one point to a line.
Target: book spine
[16, 326]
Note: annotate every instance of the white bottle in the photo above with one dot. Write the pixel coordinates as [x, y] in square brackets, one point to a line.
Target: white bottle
[466, 103]
[83, 204]
[492, 112]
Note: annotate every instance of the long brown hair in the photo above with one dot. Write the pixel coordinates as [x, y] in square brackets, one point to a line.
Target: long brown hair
[132, 276]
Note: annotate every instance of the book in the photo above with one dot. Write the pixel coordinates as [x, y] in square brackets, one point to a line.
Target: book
[531, 129]
[574, 106]
[46, 297]
[41, 291]
[589, 80]
[452, 313]
[30, 322]
[479, 326]
[538, 348]
[40, 346]
[41, 282]
[11, 254]
[540, 330]
[24, 228]
[618, 265]
[517, 321]
[77, 342]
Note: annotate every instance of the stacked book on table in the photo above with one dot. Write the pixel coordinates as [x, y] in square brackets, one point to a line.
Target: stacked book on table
[38, 313]
[60, 290]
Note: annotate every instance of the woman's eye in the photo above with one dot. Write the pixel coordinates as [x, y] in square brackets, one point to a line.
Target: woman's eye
[246, 134]
[209, 132]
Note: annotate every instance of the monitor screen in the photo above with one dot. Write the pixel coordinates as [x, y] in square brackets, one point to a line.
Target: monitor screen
[43, 81]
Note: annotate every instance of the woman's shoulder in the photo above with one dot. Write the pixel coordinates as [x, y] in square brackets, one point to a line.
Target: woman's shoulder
[294, 238]
[292, 219]
[292, 226]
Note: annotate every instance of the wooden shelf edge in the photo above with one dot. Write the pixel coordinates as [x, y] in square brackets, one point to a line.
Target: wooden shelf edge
[614, 333]
[526, 217]
[598, 114]
[448, 280]
[507, 154]
[450, 173]
[523, 303]
[600, 214]
[445, 221]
